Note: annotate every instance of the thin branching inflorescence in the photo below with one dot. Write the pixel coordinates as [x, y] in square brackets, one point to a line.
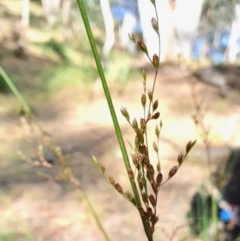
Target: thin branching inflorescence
[145, 176]
[199, 120]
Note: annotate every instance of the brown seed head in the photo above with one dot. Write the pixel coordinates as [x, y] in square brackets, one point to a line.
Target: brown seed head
[152, 200]
[131, 174]
[144, 197]
[155, 147]
[180, 158]
[159, 178]
[125, 113]
[155, 61]
[135, 124]
[155, 25]
[143, 100]
[156, 115]
[150, 95]
[155, 105]
[132, 37]
[149, 211]
[143, 124]
[118, 188]
[172, 171]
[111, 180]
[141, 45]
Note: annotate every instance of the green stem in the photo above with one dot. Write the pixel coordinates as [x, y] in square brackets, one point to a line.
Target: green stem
[19, 97]
[14, 90]
[111, 108]
[93, 212]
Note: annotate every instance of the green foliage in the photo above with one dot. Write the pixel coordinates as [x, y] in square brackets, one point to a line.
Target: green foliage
[59, 77]
[59, 49]
[3, 86]
[7, 236]
[12, 236]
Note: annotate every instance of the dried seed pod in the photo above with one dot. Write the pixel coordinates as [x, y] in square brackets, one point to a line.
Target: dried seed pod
[154, 219]
[144, 197]
[172, 171]
[150, 95]
[143, 124]
[155, 25]
[155, 105]
[132, 38]
[102, 168]
[156, 115]
[189, 146]
[155, 147]
[159, 178]
[133, 200]
[128, 195]
[134, 158]
[154, 186]
[149, 211]
[150, 168]
[180, 158]
[118, 188]
[153, 2]
[141, 45]
[139, 139]
[152, 200]
[135, 124]
[111, 180]
[143, 150]
[155, 61]
[141, 211]
[125, 113]
[131, 174]
[143, 100]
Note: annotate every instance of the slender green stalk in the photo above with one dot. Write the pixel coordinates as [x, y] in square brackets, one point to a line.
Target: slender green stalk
[19, 97]
[111, 108]
[14, 90]
[93, 212]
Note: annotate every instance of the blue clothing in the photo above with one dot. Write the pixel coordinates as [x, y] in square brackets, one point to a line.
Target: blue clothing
[131, 6]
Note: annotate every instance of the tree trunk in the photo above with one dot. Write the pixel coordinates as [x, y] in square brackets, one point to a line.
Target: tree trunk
[25, 14]
[187, 15]
[233, 47]
[109, 28]
[50, 8]
[66, 9]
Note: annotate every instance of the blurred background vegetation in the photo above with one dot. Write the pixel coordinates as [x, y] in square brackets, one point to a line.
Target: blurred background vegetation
[52, 66]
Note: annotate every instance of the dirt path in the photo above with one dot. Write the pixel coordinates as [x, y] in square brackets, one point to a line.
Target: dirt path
[34, 206]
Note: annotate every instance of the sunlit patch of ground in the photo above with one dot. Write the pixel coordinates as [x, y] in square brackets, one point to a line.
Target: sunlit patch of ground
[36, 209]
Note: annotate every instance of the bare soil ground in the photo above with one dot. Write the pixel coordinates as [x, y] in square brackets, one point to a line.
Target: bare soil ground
[34, 208]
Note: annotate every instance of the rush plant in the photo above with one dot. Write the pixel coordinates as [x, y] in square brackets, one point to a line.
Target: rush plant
[145, 178]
